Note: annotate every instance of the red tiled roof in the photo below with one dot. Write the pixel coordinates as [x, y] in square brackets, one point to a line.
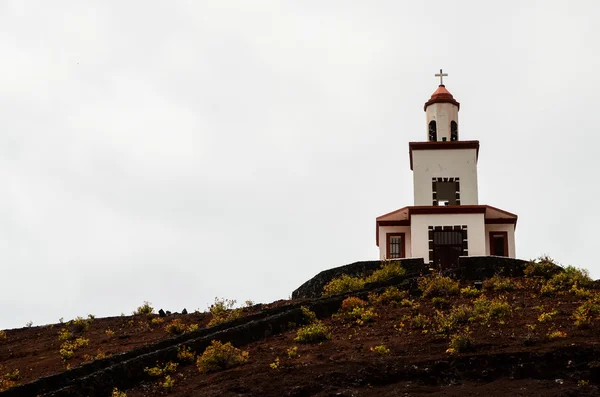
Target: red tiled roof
[441, 95]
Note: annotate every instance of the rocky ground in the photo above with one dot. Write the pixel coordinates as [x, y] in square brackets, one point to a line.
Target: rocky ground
[531, 346]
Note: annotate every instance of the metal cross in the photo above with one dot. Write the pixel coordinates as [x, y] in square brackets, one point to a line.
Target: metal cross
[441, 76]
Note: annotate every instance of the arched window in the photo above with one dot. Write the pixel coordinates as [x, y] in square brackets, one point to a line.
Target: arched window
[432, 131]
[453, 131]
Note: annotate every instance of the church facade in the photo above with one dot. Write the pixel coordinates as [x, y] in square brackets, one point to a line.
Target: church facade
[446, 221]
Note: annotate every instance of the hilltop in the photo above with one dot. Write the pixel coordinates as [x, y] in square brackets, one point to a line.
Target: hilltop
[528, 331]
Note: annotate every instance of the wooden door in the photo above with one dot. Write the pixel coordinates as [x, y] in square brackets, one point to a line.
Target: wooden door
[447, 247]
[499, 243]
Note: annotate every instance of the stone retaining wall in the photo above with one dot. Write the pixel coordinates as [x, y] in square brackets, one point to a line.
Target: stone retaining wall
[313, 288]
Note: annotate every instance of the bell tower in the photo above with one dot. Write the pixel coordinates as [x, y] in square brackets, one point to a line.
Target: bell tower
[441, 112]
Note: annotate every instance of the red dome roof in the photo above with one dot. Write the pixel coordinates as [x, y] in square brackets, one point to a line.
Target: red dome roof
[441, 95]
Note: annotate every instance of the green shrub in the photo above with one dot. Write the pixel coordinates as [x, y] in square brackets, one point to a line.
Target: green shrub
[498, 284]
[309, 316]
[443, 323]
[388, 270]
[583, 314]
[420, 321]
[446, 323]
[411, 304]
[175, 327]
[470, 292]
[117, 393]
[185, 354]
[145, 309]
[168, 382]
[351, 303]
[547, 316]
[292, 352]
[68, 348]
[219, 356]
[158, 370]
[389, 295]
[2, 335]
[80, 324]
[582, 293]
[460, 342]
[312, 333]
[222, 311]
[380, 349]
[487, 309]
[342, 285]
[64, 334]
[435, 286]
[9, 379]
[15, 375]
[544, 267]
[570, 276]
[361, 315]
[461, 314]
[554, 334]
[548, 290]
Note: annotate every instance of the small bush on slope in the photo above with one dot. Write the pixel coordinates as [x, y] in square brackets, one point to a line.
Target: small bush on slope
[583, 314]
[308, 315]
[565, 280]
[145, 309]
[312, 333]
[380, 349]
[343, 284]
[387, 271]
[219, 356]
[470, 292]
[460, 342]
[68, 348]
[185, 354]
[498, 284]
[80, 324]
[117, 393]
[487, 309]
[158, 370]
[222, 311]
[350, 303]
[544, 266]
[389, 295]
[438, 286]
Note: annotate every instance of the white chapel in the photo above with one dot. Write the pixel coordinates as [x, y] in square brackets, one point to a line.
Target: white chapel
[446, 220]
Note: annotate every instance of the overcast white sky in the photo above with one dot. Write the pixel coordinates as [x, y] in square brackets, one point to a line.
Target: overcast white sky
[177, 151]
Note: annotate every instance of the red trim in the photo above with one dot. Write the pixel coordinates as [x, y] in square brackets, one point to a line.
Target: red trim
[404, 222]
[502, 211]
[503, 234]
[450, 209]
[437, 145]
[387, 240]
[501, 221]
[393, 212]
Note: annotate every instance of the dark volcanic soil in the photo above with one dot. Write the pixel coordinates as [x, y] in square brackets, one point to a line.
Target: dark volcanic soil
[507, 357]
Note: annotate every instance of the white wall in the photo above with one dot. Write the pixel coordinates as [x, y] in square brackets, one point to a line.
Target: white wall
[419, 231]
[443, 114]
[510, 229]
[461, 163]
[383, 230]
